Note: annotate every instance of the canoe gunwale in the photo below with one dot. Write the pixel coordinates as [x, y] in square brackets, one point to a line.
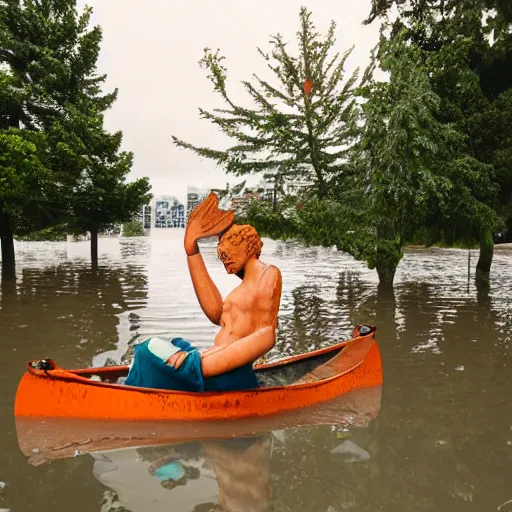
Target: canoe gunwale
[355, 344]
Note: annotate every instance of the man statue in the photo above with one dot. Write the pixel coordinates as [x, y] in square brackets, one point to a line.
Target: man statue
[247, 318]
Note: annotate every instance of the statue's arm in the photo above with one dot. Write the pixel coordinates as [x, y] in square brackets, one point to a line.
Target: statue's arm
[207, 293]
[245, 350]
[205, 220]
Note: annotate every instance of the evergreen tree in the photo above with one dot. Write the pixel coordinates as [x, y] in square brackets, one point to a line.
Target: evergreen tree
[410, 174]
[50, 85]
[45, 53]
[101, 195]
[301, 126]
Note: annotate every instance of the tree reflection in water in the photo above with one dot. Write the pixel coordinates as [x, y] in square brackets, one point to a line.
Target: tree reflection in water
[321, 315]
[82, 302]
[70, 313]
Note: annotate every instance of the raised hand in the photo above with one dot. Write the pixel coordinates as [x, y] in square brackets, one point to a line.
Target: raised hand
[206, 220]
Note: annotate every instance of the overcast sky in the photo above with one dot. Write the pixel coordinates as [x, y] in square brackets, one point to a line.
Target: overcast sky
[151, 49]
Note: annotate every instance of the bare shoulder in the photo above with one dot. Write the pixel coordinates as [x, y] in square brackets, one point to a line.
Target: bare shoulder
[271, 278]
[270, 292]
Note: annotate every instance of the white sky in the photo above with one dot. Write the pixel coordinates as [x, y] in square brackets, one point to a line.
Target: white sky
[151, 49]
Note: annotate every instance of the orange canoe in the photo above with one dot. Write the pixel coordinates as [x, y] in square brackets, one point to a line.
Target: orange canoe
[286, 385]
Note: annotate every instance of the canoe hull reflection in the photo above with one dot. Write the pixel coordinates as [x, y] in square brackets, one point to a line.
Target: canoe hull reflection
[46, 439]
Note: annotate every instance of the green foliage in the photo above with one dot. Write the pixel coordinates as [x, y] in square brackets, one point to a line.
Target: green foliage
[101, 195]
[51, 55]
[278, 224]
[496, 129]
[400, 143]
[414, 157]
[24, 179]
[304, 137]
[409, 173]
[20, 167]
[57, 162]
[470, 65]
[421, 170]
[465, 16]
[133, 228]
[47, 57]
[52, 234]
[399, 158]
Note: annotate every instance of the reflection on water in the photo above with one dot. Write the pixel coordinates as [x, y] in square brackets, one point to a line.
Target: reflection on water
[270, 471]
[232, 474]
[442, 440]
[49, 439]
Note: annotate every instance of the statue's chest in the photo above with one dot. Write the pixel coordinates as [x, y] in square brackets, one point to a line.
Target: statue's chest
[242, 299]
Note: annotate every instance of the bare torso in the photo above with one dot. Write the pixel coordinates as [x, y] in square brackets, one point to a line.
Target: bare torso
[243, 313]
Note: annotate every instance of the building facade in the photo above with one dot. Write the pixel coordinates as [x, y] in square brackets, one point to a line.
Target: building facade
[144, 216]
[194, 197]
[169, 212]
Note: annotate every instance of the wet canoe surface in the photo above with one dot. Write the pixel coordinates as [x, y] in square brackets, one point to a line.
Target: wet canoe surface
[287, 385]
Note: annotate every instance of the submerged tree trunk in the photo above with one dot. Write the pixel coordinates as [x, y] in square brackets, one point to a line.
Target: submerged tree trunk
[8, 257]
[94, 246]
[6, 234]
[387, 257]
[386, 275]
[483, 267]
[385, 310]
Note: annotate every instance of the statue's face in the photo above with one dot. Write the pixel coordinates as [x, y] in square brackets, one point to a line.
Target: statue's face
[234, 257]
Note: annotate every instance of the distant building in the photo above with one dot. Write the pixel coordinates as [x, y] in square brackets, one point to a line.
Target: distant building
[169, 212]
[240, 202]
[266, 190]
[194, 197]
[144, 216]
[242, 195]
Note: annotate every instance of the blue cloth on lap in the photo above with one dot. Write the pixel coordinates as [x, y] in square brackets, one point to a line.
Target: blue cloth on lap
[238, 379]
[150, 370]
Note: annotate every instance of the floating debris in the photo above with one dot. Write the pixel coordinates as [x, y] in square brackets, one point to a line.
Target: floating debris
[350, 448]
[505, 507]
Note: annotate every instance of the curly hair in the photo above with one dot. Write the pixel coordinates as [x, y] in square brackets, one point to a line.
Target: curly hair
[242, 233]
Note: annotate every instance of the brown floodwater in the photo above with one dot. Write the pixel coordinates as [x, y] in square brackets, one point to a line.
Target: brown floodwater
[441, 434]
